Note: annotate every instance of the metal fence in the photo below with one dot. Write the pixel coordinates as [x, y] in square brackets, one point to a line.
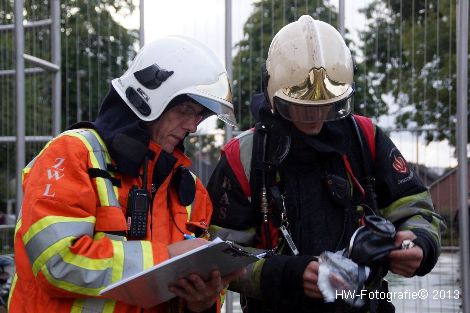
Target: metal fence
[406, 59]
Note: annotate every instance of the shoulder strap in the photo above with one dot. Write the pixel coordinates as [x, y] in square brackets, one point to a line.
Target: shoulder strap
[365, 129]
[368, 130]
[238, 153]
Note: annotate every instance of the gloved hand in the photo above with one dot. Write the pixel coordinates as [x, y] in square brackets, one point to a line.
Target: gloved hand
[373, 242]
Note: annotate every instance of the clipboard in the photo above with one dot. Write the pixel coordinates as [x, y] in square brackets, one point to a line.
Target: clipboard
[150, 287]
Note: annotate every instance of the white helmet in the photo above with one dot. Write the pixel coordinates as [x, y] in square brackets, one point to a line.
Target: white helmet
[310, 72]
[173, 66]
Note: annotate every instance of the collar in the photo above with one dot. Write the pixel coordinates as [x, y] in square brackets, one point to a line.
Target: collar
[179, 157]
[333, 137]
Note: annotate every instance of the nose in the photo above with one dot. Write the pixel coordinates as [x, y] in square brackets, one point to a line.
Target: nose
[191, 124]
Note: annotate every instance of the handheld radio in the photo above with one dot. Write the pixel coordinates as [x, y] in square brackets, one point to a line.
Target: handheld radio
[137, 209]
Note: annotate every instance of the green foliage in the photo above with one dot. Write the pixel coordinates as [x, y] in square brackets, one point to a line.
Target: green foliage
[409, 49]
[268, 17]
[406, 59]
[94, 49]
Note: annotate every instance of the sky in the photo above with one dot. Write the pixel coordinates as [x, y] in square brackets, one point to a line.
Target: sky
[205, 21]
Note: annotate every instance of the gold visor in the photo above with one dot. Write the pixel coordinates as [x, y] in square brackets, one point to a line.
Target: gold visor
[316, 87]
[296, 112]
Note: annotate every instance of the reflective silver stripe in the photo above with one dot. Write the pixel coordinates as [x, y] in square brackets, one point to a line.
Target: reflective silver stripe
[100, 156]
[83, 277]
[246, 148]
[133, 258]
[93, 305]
[53, 233]
[116, 237]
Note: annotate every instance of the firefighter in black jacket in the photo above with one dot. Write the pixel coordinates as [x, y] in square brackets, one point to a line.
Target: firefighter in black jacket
[304, 178]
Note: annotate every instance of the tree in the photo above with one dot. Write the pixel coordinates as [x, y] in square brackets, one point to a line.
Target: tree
[94, 49]
[409, 55]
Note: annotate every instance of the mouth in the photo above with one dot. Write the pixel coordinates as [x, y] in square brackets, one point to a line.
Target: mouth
[177, 138]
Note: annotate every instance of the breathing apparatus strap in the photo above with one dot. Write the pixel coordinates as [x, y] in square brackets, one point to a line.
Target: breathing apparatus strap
[364, 128]
[258, 177]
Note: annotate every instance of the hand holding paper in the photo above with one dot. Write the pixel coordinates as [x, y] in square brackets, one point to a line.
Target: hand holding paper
[208, 266]
[200, 295]
[184, 246]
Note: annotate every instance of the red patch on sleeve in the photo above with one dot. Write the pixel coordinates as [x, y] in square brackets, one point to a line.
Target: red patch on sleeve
[400, 165]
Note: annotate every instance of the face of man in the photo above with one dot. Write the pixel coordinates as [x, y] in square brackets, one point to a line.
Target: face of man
[174, 124]
[309, 128]
[309, 120]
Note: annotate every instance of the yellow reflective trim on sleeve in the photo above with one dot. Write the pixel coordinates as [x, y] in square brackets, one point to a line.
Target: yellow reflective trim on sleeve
[77, 306]
[100, 184]
[109, 306]
[99, 235]
[102, 191]
[256, 274]
[102, 144]
[49, 220]
[147, 253]
[12, 289]
[188, 212]
[118, 260]
[40, 261]
[222, 296]
[86, 262]
[83, 305]
[405, 202]
[25, 171]
[18, 225]
[116, 192]
[28, 167]
[69, 286]
[189, 208]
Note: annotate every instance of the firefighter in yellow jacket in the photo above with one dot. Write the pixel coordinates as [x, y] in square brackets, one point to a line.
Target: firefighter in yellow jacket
[110, 198]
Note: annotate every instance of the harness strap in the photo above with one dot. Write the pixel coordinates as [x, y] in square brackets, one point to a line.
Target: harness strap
[365, 129]
[368, 130]
[97, 172]
[235, 158]
[351, 174]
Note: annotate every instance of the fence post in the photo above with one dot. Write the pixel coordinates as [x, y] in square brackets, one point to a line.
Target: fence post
[462, 127]
[228, 55]
[20, 101]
